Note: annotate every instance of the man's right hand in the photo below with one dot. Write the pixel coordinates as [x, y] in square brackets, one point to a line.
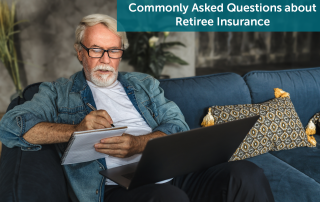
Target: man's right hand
[50, 133]
[95, 120]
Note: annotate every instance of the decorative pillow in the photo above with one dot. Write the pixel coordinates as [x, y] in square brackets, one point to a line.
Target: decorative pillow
[311, 128]
[278, 127]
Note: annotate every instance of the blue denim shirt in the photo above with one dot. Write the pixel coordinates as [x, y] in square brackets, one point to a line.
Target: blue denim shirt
[64, 101]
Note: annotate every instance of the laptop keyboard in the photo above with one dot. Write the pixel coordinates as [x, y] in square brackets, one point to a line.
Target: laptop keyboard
[128, 176]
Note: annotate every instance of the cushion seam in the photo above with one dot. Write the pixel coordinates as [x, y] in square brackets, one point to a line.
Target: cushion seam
[202, 76]
[294, 168]
[277, 71]
[248, 89]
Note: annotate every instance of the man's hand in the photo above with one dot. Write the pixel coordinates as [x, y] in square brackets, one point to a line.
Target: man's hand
[125, 145]
[50, 133]
[95, 120]
[120, 146]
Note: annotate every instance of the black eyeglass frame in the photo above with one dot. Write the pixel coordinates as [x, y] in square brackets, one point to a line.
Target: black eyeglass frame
[87, 49]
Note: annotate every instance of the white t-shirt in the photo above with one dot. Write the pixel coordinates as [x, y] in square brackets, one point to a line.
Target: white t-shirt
[115, 101]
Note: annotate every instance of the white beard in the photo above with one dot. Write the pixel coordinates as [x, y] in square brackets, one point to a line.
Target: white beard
[101, 80]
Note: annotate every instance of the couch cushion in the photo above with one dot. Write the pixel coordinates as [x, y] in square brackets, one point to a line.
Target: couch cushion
[302, 84]
[195, 94]
[287, 183]
[306, 160]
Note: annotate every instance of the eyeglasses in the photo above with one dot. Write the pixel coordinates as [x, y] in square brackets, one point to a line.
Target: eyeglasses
[98, 52]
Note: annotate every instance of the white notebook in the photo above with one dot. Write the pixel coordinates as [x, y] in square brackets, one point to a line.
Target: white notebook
[81, 144]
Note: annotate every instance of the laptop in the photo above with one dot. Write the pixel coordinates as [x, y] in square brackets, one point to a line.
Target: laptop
[181, 153]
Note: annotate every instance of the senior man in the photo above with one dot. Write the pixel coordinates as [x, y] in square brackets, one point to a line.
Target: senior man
[131, 99]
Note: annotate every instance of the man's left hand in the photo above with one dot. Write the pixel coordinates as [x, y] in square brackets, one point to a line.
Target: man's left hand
[120, 146]
[125, 145]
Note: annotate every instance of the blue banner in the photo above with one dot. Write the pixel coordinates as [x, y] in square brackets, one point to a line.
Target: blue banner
[207, 16]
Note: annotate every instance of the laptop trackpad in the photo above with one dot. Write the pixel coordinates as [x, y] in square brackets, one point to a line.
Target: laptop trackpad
[121, 174]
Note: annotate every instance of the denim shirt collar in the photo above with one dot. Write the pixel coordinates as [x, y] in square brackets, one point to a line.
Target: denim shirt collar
[130, 90]
[81, 86]
[125, 82]
[79, 82]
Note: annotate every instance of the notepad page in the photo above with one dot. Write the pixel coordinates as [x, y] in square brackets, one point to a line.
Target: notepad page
[82, 148]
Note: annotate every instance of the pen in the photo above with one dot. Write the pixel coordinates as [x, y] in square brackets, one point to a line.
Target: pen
[94, 109]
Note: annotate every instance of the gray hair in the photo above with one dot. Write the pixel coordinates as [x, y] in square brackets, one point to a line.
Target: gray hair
[93, 19]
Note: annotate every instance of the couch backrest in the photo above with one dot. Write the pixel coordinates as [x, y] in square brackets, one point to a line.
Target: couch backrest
[27, 95]
[195, 94]
[302, 84]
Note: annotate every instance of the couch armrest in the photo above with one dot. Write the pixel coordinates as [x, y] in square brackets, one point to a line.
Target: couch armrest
[32, 176]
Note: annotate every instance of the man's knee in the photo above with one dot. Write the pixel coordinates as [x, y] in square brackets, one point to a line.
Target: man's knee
[249, 180]
[245, 170]
[168, 193]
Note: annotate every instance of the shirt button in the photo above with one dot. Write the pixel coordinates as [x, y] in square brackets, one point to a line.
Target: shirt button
[97, 191]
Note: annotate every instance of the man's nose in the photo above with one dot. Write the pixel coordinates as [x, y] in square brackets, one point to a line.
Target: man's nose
[105, 58]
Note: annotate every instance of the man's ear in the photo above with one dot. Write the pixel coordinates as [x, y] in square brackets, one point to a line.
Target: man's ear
[79, 53]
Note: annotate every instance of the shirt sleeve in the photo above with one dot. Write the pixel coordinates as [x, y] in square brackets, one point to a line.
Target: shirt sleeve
[170, 116]
[19, 120]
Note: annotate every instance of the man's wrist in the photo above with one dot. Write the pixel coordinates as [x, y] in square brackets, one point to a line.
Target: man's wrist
[142, 140]
[69, 133]
[139, 143]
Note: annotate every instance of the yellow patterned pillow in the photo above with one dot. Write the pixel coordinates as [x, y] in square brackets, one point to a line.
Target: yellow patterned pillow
[278, 127]
[311, 128]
